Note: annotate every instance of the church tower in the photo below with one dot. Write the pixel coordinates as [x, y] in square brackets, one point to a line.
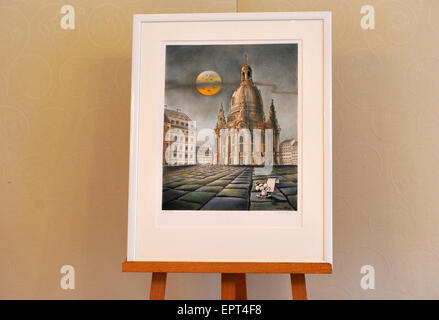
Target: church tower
[273, 124]
[246, 72]
[221, 120]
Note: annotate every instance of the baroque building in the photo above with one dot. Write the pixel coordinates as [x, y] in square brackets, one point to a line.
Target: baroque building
[166, 138]
[244, 132]
[289, 152]
[179, 140]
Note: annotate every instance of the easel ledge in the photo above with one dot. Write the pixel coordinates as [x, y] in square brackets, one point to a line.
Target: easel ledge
[228, 267]
[233, 280]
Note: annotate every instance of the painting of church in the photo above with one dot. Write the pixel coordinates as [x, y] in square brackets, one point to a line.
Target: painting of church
[230, 128]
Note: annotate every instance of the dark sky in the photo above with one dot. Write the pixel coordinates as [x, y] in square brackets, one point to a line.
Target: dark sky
[274, 73]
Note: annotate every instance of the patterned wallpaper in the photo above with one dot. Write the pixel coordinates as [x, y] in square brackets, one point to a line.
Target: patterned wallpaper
[64, 142]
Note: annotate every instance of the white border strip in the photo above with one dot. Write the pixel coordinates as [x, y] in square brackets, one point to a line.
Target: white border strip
[134, 143]
[327, 139]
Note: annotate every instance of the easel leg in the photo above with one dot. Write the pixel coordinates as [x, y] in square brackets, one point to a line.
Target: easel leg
[298, 286]
[228, 286]
[233, 286]
[241, 287]
[158, 285]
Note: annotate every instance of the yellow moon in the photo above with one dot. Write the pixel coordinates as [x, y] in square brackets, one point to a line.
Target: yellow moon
[209, 83]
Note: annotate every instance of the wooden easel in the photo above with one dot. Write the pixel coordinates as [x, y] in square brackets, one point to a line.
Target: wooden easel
[233, 275]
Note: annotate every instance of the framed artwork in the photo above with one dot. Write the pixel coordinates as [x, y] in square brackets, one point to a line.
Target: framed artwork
[230, 153]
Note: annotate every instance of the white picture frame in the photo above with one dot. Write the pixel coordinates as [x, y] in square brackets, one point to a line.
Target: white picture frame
[189, 236]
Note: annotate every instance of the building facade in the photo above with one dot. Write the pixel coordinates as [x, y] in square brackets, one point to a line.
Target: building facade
[204, 153]
[179, 140]
[166, 137]
[244, 133]
[289, 154]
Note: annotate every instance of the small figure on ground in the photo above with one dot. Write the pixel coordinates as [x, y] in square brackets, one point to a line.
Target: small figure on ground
[266, 188]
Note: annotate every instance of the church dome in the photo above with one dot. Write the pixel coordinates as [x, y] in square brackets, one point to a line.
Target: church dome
[247, 95]
[250, 96]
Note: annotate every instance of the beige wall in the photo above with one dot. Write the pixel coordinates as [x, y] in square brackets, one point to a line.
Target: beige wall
[64, 133]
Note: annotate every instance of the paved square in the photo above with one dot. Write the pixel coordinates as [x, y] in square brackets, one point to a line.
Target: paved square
[208, 187]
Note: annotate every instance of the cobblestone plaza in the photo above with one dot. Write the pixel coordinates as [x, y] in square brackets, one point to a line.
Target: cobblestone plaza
[208, 187]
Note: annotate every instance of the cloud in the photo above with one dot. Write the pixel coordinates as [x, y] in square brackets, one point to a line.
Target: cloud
[170, 85]
[274, 88]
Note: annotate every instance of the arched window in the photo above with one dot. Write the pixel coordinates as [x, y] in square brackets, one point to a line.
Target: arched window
[241, 144]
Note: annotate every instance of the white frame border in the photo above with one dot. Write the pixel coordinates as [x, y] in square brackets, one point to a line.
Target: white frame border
[327, 112]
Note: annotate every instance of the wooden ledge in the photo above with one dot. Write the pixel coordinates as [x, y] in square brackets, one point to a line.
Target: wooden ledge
[228, 267]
